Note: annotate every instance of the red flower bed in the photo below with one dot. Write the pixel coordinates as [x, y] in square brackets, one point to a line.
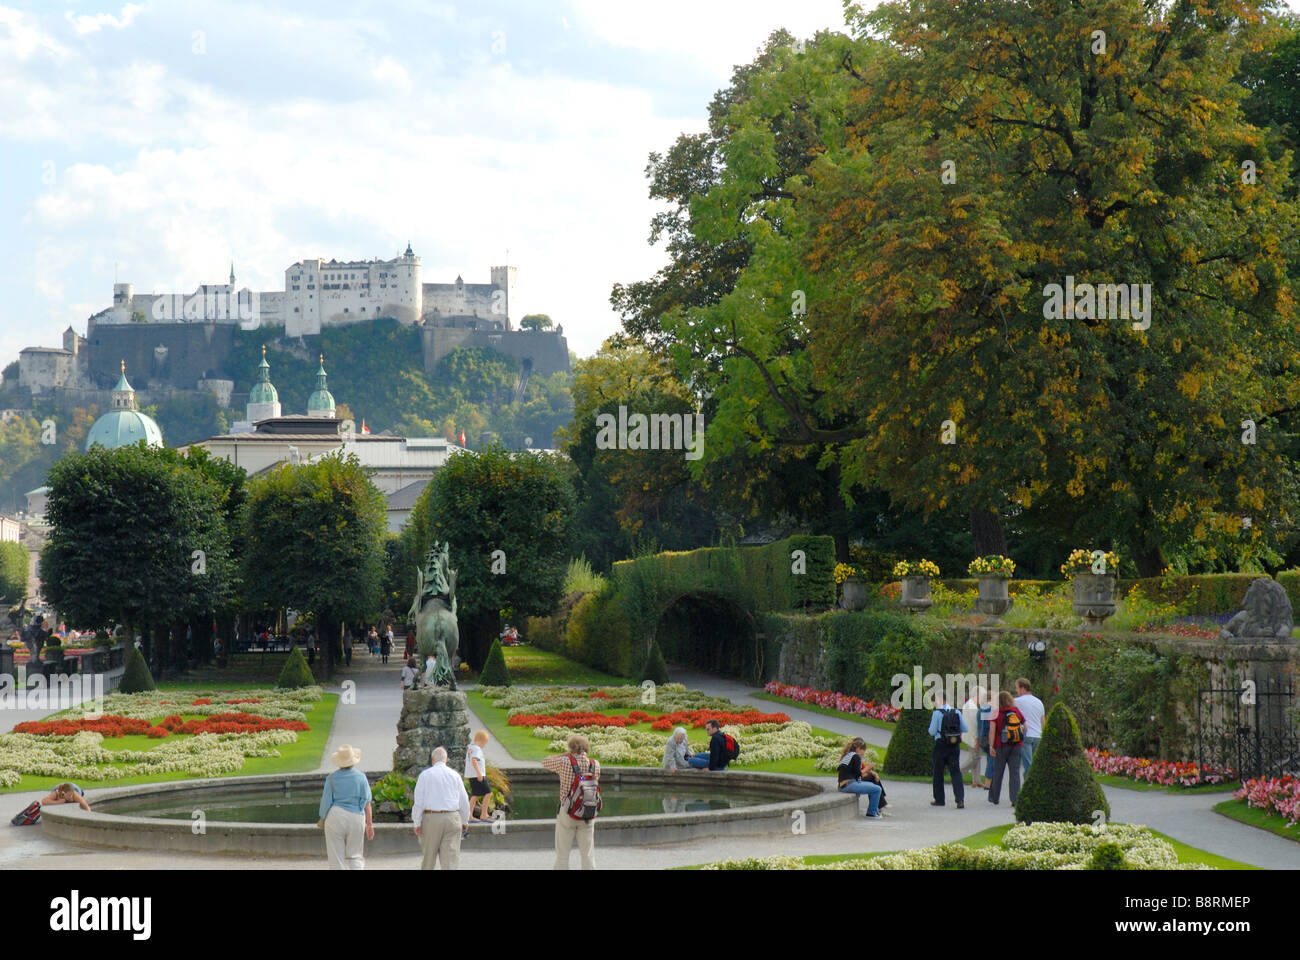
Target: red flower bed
[246, 700]
[832, 700]
[157, 733]
[1278, 795]
[115, 726]
[201, 702]
[109, 725]
[1167, 773]
[577, 718]
[600, 695]
[697, 719]
[238, 723]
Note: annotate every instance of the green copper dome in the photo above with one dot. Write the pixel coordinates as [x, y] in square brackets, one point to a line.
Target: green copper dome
[263, 390]
[321, 402]
[124, 425]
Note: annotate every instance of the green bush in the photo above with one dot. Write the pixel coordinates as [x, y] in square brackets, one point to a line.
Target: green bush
[1290, 580]
[494, 673]
[136, 678]
[1208, 593]
[1107, 857]
[654, 668]
[1061, 787]
[14, 564]
[911, 748]
[579, 577]
[296, 673]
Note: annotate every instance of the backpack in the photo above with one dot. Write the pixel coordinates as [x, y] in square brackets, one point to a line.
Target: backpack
[1013, 732]
[30, 815]
[731, 746]
[950, 726]
[584, 799]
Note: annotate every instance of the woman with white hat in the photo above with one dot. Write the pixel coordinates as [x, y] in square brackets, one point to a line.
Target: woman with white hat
[345, 811]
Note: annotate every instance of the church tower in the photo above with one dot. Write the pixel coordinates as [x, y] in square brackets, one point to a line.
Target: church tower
[263, 400]
[321, 402]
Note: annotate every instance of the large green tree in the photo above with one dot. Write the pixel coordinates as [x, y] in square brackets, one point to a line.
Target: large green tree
[138, 536]
[508, 518]
[999, 149]
[313, 542]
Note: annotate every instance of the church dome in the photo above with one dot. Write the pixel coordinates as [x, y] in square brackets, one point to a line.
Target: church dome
[321, 402]
[124, 425]
[124, 428]
[263, 389]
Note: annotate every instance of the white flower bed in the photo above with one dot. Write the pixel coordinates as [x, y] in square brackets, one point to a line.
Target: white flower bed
[83, 756]
[273, 704]
[1040, 846]
[550, 700]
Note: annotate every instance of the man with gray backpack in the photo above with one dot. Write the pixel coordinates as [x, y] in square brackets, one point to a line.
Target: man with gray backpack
[580, 802]
[946, 727]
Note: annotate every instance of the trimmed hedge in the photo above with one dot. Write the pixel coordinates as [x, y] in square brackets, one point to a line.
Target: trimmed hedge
[1204, 594]
[136, 678]
[1061, 786]
[654, 668]
[495, 673]
[296, 673]
[963, 584]
[911, 748]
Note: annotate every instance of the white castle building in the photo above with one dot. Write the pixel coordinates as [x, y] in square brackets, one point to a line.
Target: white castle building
[319, 293]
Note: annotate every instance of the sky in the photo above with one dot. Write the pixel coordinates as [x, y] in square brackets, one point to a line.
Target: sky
[156, 142]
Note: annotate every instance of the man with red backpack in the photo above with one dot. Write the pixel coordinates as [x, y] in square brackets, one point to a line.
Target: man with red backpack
[580, 802]
[723, 748]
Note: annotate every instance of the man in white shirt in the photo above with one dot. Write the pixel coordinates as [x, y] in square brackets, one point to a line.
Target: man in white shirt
[439, 811]
[1033, 710]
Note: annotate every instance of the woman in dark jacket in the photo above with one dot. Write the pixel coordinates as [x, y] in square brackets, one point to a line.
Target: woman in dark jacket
[855, 777]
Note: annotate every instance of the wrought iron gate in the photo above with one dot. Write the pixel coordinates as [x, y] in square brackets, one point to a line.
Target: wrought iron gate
[1249, 729]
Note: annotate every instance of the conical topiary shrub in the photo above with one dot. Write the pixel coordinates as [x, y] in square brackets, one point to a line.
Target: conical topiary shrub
[653, 667]
[136, 678]
[494, 672]
[296, 673]
[911, 748]
[1061, 786]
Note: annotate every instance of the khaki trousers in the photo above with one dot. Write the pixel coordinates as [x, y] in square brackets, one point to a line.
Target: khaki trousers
[440, 838]
[345, 835]
[566, 831]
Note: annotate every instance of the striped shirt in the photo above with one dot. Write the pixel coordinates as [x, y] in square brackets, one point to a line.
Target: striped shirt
[560, 764]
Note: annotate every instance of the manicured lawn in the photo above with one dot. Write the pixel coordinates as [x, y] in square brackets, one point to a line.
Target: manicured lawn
[869, 721]
[993, 836]
[522, 745]
[1253, 816]
[302, 756]
[1125, 783]
[532, 665]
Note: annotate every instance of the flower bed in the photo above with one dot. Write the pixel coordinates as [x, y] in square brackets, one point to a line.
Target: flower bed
[1277, 795]
[1040, 846]
[574, 718]
[546, 701]
[155, 704]
[1167, 773]
[833, 700]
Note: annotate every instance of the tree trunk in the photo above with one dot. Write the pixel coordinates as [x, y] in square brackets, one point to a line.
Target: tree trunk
[988, 533]
[841, 546]
[477, 634]
[1150, 561]
[327, 630]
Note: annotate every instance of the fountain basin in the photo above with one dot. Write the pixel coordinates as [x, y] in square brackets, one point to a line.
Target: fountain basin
[151, 816]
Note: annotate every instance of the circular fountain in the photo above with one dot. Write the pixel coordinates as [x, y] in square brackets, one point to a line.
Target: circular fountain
[276, 815]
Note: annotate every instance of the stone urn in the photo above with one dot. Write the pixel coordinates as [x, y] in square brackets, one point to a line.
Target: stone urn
[915, 593]
[993, 599]
[1094, 597]
[853, 594]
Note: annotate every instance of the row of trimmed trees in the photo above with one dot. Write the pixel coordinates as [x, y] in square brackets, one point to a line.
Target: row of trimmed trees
[170, 544]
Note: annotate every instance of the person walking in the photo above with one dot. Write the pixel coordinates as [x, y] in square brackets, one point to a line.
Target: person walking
[347, 649]
[1033, 711]
[569, 766]
[346, 811]
[946, 727]
[440, 813]
[1005, 744]
[480, 791]
[852, 779]
[973, 759]
[372, 640]
[386, 645]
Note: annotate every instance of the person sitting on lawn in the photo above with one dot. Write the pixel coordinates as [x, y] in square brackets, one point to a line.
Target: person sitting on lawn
[67, 793]
[719, 755]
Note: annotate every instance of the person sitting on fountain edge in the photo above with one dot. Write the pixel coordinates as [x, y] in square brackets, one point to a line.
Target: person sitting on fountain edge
[722, 749]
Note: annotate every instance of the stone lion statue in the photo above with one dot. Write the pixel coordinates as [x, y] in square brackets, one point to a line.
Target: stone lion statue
[1266, 615]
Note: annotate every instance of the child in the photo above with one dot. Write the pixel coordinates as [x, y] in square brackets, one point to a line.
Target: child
[408, 674]
[476, 774]
[430, 670]
[67, 793]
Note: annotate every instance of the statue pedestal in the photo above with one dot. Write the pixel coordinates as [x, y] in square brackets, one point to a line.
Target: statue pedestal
[431, 717]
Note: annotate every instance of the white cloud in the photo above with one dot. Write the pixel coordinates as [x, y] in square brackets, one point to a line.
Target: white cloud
[84, 24]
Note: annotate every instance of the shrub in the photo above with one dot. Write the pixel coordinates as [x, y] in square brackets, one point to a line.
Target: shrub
[1107, 857]
[911, 748]
[136, 678]
[296, 673]
[1061, 787]
[580, 578]
[654, 668]
[494, 673]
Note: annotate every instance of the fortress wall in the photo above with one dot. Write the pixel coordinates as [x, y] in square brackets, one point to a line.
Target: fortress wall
[549, 351]
[193, 349]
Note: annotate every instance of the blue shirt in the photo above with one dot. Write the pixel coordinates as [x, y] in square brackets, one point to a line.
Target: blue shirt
[346, 788]
[937, 718]
[984, 715]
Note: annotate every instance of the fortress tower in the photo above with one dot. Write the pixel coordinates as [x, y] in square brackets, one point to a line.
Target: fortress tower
[504, 278]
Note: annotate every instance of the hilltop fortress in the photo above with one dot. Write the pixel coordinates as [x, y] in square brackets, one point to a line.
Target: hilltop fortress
[185, 341]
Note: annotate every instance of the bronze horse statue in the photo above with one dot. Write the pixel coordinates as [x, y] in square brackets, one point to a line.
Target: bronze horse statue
[433, 611]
